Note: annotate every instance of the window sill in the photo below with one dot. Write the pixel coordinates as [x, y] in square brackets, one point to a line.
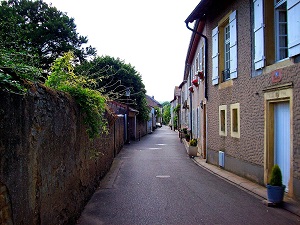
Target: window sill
[226, 84]
[278, 65]
[235, 134]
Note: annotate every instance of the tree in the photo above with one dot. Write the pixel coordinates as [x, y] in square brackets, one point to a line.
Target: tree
[16, 69]
[40, 29]
[113, 77]
[166, 112]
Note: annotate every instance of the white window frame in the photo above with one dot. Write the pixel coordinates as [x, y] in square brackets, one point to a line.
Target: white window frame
[278, 7]
[235, 134]
[221, 132]
[293, 18]
[233, 50]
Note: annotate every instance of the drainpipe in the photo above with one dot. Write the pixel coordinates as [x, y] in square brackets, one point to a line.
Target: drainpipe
[191, 106]
[206, 75]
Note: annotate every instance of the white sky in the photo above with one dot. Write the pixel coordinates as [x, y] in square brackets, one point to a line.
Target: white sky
[150, 35]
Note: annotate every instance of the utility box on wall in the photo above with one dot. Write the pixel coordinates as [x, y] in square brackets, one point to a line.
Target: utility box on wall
[221, 158]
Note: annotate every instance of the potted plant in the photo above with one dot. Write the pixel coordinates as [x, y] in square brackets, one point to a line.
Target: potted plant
[275, 188]
[195, 82]
[191, 89]
[187, 137]
[193, 149]
[201, 75]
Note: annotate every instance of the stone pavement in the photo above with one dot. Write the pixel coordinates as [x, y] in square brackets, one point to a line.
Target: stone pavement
[254, 188]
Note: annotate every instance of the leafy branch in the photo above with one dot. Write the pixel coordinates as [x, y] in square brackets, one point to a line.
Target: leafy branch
[92, 102]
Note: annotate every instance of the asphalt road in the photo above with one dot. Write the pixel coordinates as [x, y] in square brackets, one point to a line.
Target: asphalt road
[155, 182]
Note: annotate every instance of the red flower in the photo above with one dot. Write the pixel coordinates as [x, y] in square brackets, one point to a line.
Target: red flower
[191, 89]
[195, 82]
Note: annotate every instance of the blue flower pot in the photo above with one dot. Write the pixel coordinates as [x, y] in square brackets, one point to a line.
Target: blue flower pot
[275, 193]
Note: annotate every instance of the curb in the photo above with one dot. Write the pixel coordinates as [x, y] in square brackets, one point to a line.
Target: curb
[259, 191]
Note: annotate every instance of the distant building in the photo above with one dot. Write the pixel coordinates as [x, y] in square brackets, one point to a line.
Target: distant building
[155, 115]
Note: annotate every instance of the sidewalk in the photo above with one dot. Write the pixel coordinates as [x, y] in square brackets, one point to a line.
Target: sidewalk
[256, 189]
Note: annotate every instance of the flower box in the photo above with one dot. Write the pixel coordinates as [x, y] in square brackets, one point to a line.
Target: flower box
[195, 82]
[200, 75]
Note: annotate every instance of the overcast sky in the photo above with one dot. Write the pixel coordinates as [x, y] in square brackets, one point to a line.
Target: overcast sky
[150, 35]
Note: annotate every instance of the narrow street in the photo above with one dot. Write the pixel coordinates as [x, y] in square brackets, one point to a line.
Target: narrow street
[155, 182]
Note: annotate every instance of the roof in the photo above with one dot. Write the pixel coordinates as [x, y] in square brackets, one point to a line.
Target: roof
[204, 7]
[152, 102]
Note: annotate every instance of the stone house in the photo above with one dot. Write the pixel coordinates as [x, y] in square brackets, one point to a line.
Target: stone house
[246, 110]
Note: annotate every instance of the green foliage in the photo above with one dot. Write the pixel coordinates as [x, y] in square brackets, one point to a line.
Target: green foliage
[157, 111]
[166, 113]
[176, 109]
[175, 121]
[17, 68]
[187, 136]
[40, 29]
[112, 77]
[193, 142]
[92, 103]
[276, 176]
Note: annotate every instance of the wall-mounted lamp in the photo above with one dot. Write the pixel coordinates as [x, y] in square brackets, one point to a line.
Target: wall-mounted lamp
[127, 92]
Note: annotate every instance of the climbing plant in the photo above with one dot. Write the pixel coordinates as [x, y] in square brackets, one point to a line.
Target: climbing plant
[16, 69]
[92, 102]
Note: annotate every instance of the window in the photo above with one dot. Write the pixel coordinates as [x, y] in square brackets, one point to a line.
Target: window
[226, 71]
[224, 50]
[276, 33]
[281, 30]
[235, 120]
[223, 120]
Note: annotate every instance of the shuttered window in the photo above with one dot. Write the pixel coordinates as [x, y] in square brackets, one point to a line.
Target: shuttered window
[233, 45]
[259, 57]
[215, 56]
[286, 21]
[293, 7]
[226, 35]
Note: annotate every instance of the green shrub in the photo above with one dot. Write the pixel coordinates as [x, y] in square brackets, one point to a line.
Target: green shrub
[276, 176]
[91, 102]
[193, 142]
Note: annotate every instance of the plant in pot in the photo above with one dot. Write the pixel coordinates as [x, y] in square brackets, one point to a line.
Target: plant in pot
[275, 188]
[187, 137]
[195, 82]
[193, 149]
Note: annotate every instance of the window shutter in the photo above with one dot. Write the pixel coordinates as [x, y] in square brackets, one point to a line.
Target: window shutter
[233, 45]
[259, 58]
[293, 7]
[215, 55]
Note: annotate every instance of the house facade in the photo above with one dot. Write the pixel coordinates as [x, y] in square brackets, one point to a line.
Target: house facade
[175, 106]
[155, 113]
[250, 114]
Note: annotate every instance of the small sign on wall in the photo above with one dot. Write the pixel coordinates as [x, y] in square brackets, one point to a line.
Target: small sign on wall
[276, 76]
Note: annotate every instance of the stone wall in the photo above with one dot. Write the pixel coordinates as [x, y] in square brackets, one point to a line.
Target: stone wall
[48, 164]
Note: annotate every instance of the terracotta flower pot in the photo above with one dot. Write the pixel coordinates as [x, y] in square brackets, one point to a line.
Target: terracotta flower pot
[195, 82]
[201, 75]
